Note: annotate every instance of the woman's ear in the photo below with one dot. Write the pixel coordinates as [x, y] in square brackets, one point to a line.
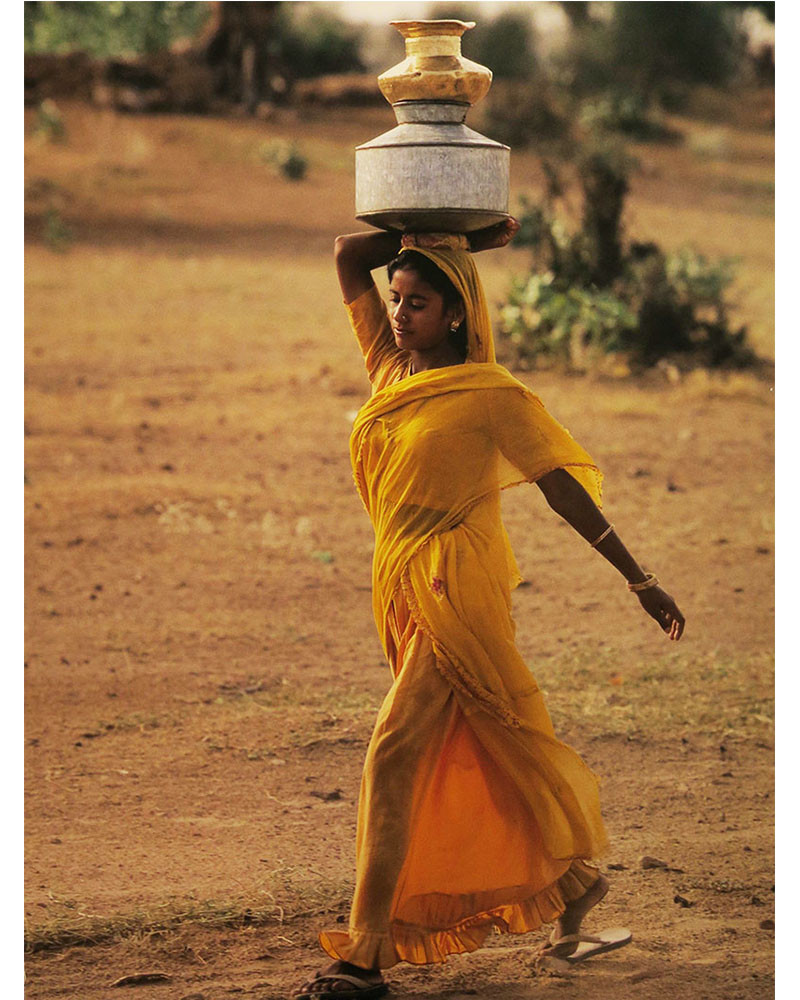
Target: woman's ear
[456, 314]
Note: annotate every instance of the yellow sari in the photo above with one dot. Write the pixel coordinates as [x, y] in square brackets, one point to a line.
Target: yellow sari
[472, 814]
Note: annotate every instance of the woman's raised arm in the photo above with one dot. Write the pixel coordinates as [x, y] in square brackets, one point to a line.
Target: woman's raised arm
[357, 255]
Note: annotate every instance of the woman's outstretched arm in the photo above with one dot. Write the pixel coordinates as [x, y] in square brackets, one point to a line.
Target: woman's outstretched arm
[570, 500]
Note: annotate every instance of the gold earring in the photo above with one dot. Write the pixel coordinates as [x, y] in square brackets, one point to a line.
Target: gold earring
[454, 327]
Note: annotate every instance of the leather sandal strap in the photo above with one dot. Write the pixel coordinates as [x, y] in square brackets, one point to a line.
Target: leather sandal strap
[577, 939]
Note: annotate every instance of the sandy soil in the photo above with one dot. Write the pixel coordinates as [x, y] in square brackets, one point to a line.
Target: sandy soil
[202, 670]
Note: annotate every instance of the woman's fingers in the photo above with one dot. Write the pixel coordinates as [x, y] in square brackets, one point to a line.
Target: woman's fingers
[510, 228]
[674, 621]
[493, 237]
[660, 606]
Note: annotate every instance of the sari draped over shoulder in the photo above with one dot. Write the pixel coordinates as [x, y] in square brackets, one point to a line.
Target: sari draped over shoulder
[492, 815]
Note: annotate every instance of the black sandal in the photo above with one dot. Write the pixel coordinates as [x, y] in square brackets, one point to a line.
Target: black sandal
[362, 989]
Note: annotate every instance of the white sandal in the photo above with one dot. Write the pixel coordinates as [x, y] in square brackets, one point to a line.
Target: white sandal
[586, 945]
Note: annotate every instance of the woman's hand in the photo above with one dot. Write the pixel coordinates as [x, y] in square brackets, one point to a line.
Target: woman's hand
[661, 607]
[495, 236]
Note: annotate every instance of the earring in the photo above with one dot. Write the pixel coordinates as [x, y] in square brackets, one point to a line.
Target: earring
[454, 327]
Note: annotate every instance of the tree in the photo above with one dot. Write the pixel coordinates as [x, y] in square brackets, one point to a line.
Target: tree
[660, 43]
[106, 30]
[577, 12]
[236, 45]
[247, 51]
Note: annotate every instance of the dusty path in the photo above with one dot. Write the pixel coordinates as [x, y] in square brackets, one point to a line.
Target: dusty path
[202, 670]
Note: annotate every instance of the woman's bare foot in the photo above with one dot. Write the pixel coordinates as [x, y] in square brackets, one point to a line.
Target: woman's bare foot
[571, 919]
[372, 976]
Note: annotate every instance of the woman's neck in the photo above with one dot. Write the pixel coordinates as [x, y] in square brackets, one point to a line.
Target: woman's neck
[441, 357]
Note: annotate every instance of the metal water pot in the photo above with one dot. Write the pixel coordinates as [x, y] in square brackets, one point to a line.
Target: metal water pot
[432, 173]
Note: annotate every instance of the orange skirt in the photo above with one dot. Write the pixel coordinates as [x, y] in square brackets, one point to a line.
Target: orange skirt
[446, 846]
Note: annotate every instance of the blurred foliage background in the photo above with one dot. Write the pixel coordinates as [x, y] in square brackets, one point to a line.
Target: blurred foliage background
[110, 29]
[617, 77]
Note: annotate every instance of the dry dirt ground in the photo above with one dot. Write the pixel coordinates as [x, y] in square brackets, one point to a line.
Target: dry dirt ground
[202, 670]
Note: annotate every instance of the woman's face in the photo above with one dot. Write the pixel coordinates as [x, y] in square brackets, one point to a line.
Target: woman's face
[420, 321]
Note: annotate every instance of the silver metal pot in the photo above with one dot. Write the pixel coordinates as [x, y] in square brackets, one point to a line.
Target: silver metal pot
[432, 173]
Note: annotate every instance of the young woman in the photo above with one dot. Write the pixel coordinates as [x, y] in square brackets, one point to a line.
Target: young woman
[472, 814]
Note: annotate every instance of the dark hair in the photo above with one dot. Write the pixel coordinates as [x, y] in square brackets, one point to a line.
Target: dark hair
[424, 267]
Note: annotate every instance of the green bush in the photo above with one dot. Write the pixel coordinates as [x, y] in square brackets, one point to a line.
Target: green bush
[49, 125]
[545, 319]
[585, 64]
[683, 310]
[286, 158]
[629, 113]
[590, 294]
[57, 234]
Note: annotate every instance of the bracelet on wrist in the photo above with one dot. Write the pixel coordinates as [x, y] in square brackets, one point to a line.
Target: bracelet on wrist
[651, 580]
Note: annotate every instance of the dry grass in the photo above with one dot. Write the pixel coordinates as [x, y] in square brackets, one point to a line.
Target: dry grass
[706, 694]
[294, 894]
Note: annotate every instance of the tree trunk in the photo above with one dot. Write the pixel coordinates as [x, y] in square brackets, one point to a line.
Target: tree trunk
[577, 12]
[235, 44]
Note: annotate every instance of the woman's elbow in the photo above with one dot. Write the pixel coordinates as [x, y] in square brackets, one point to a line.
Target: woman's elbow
[556, 488]
[563, 494]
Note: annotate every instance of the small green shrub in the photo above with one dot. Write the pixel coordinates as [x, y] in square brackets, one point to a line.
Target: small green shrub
[57, 234]
[682, 308]
[49, 122]
[628, 113]
[547, 320]
[286, 158]
[711, 144]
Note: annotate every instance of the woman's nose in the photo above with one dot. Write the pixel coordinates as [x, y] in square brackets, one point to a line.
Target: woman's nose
[398, 310]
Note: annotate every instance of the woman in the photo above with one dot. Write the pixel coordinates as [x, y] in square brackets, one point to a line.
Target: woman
[472, 814]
